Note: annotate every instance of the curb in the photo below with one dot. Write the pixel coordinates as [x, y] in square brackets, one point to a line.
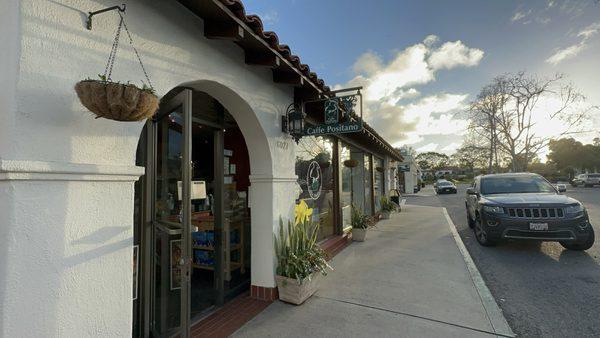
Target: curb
[494, 313]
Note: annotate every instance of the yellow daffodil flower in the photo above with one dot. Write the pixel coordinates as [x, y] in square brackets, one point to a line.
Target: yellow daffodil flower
[302, 212]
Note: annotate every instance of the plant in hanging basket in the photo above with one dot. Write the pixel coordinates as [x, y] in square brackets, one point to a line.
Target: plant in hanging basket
[380, 169]
[117, 101]
[350, 163]
[114, 100]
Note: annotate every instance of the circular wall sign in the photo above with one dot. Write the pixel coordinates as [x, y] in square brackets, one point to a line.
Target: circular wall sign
[313, 180]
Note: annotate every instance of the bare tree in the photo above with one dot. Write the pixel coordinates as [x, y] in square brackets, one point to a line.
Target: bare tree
[483, 115]
[503, 114]
[515, 121]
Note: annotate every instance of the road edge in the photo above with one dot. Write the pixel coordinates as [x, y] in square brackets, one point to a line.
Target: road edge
[494, 313]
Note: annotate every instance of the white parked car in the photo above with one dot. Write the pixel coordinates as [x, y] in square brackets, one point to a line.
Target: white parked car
[586, 180]
[561, 187]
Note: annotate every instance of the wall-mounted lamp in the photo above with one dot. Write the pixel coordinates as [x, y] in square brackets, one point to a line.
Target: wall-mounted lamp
[293, 122]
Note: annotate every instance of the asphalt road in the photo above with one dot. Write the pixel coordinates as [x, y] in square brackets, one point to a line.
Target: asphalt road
[543, 289]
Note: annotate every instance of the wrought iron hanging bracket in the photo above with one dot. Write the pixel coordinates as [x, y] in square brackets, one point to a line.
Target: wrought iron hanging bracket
[91, 14]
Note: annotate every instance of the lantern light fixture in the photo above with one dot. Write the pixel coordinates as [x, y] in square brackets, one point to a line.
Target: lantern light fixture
[293, 122]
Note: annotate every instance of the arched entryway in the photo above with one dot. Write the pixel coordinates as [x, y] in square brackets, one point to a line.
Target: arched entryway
[199, 228]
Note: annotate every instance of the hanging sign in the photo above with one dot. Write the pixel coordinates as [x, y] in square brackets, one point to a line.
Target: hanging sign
[342, 114]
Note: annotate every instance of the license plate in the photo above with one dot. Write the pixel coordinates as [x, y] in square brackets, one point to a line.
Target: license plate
[538, 226]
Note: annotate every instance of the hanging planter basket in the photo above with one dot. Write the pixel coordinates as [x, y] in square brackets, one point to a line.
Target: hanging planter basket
[380, 169]
[118, 101]
[350, 163]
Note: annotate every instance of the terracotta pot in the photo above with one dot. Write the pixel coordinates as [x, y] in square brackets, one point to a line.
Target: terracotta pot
[116, 101]
[359, 235]
[294, 292]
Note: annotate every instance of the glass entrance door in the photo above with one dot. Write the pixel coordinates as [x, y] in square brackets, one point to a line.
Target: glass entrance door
[171, 217]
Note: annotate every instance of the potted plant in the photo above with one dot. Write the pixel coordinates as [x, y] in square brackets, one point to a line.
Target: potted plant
[300, 260]
[387, 207]
[117, 101]
[360, 224]
[114, 100]
[350, 163]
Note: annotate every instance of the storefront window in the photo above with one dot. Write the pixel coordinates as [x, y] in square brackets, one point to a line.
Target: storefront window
[378, 188]
[314, 168]
[368, 175]
[353, 182]
[346, 172]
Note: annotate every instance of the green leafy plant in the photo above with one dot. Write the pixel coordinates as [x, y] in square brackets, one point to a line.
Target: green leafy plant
[387, 205]
[145, 88]
[298, 254]
[360, 220]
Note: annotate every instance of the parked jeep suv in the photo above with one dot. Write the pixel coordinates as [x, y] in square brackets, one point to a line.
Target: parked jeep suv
[525, 206]
[586, 180]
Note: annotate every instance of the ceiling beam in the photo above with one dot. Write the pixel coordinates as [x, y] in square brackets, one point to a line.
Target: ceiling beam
[291, 78]
[303, 94]
[257, 58]
[223, 31]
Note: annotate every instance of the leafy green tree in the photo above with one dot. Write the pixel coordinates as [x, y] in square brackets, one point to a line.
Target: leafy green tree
[432, 160]
[569, 155]
[470, 157]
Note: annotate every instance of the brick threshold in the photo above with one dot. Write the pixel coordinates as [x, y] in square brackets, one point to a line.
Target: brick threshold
[229, 318]
[233, 315]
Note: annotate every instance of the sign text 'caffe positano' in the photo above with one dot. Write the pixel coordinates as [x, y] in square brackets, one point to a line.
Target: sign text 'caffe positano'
[342, 114]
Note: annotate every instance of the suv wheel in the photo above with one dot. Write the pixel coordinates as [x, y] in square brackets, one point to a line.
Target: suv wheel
[579, 246]
[481, 235]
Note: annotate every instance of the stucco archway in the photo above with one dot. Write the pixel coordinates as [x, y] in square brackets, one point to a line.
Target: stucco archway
[261, 163]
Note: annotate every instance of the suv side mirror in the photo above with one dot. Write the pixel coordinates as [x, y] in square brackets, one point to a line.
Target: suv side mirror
[471, 191]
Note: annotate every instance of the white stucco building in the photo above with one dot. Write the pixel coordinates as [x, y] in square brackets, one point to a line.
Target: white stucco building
[409, 171]
[80, 196]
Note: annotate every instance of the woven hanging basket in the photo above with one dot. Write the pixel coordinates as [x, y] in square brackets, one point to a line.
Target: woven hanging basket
[116, 101]
[350, 163]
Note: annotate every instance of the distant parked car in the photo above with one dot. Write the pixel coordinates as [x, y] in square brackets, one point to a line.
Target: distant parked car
[526, 206]
[445, 187]
[561, 187]
[435, 184]
[586, 180]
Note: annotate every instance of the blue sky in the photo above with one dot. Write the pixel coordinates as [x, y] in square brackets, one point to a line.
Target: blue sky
[423, 61]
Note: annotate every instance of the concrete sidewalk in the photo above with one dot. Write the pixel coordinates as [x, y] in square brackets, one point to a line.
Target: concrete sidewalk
[409, 279]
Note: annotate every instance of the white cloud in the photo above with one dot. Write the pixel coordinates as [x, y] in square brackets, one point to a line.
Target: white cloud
[430, 40]
[451, 148]
[428, 147]
[590, 30]
[454, 54]
[573, 50]
[368, 64]
[519, 15]
[409, 67]
[271, 17]
[392, 99]
[566, 53]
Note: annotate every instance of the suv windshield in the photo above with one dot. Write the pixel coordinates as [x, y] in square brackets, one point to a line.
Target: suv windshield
[444, 183]
[514, 184]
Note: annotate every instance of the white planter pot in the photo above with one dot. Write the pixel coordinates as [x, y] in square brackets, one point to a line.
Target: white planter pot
[385, 215]
[292, 291]
[359, 235]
